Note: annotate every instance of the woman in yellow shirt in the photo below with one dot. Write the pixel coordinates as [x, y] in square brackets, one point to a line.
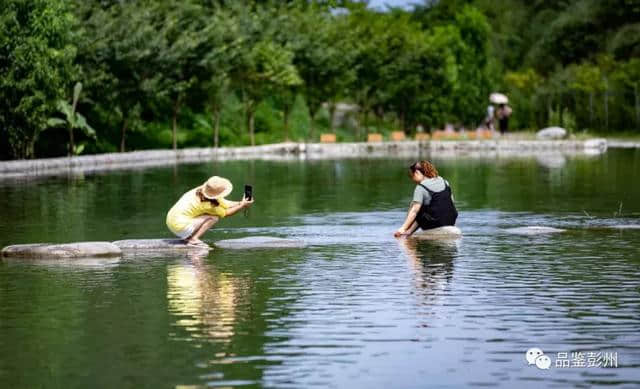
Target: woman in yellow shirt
[201, 207]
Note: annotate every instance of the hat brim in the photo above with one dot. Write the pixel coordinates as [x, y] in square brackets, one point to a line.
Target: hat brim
[224, 193]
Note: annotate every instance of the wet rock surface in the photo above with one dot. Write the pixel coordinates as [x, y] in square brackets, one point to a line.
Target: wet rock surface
[259, 242]
[447, 232]
[551, 133]
[135, 245]
[626, 227]
[64, 250]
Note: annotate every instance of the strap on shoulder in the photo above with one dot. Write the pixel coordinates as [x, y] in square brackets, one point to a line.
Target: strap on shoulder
[446, 186]
[428, 190]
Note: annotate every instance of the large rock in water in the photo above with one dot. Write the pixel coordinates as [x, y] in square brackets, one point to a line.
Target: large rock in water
[440, 233]
[533, 230]
[552, 133]
[259, 242]
[146, 245]
[626, 226]
[64, 250]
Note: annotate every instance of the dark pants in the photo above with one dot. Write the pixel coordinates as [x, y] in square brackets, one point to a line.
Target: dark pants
[504, 125]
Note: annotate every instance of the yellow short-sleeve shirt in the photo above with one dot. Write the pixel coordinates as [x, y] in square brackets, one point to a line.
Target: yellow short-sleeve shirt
[182, 214]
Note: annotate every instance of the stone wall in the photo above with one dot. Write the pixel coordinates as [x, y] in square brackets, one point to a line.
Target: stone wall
[140, 159]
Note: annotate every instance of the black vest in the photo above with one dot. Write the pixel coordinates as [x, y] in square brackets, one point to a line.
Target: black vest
[439, 212]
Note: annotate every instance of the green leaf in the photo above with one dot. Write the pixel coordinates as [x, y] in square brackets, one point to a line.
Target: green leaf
[56, 122]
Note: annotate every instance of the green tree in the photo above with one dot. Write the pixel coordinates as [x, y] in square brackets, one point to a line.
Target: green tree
[73, 120]
[119, 57]
[36, 55]
[260, 65]
[323, 55]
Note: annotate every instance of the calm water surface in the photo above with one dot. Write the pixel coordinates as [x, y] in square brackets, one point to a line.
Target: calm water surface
[357, 308]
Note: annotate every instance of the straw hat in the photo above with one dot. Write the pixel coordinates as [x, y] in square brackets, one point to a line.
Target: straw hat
[216, 187]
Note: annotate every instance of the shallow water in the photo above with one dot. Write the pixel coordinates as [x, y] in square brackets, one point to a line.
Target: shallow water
[356, 308]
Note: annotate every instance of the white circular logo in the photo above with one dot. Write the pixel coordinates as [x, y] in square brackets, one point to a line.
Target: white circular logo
[532, 354]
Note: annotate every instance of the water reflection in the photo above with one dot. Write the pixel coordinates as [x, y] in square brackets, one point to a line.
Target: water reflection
[202, 298]
[432, 263]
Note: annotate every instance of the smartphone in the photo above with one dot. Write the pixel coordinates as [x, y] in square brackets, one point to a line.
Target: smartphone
[248, 192]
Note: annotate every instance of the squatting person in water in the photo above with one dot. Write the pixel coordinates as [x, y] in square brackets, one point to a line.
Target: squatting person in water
[432, 205]
[201, 207]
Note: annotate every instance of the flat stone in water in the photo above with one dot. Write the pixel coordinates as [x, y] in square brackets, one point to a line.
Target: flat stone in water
[626, 227]
[64, 250]
[155, 245]
[533, 230]
[259, 242]
[440, 233]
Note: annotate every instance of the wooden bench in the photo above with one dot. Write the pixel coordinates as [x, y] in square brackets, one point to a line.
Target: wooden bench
[327, 138]
[398, 135]
[374, 138]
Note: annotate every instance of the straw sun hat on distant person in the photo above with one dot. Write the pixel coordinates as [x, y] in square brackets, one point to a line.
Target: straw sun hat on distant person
[216, 187]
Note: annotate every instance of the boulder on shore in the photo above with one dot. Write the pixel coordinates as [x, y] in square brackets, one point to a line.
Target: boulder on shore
[259, 242]
[551, 133]
[64, 250]
[440, 233]
[145, 245]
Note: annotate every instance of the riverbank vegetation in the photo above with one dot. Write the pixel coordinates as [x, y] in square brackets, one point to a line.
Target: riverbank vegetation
[98, 76]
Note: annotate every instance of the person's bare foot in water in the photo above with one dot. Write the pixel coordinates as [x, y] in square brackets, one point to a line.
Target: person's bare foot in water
[196, 243]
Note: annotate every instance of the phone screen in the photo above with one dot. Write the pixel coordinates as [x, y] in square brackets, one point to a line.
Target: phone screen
[248, 192]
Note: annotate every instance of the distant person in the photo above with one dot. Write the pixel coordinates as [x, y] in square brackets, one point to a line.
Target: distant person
[503, 113]
[202, 207]
[490, 119]
[432, 205]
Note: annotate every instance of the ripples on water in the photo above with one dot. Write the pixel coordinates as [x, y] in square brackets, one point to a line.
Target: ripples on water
[360, 308]
[356, 308]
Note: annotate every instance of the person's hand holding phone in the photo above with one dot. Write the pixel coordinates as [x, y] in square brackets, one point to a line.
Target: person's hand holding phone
[246, 203]
[247, 199]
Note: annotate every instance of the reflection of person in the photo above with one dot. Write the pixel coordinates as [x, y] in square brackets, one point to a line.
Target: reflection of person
[432, 205]
[432, 260]
[203, 300]
[503, 113]
[200, 208]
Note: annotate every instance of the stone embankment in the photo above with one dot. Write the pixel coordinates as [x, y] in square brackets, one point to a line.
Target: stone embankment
[284, 151]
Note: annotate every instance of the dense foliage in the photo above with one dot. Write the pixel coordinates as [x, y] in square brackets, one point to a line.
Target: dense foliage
[155, 73]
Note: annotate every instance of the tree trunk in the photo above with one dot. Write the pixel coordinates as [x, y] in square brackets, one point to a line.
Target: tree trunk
[635, 92]
[286, 112]
[176, 110]
[378, 118]
[216, 127]
[72, 145]
[332, 114]
[606, 105]
[560, 116]
[591, 110]
[312, 134]
[29, 149]
[365, 120]
[251, 124]
[124, 131]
